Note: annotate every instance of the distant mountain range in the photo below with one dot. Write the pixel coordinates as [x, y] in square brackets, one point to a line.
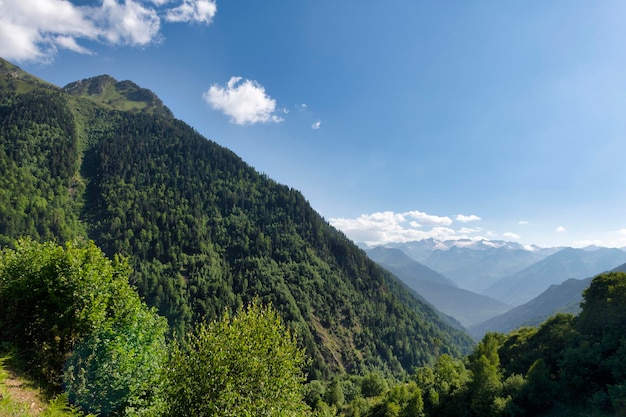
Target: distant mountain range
[496, 285]
[561, 298]
[465, 306]
[507, 271]
[473, 265]
[523, 286]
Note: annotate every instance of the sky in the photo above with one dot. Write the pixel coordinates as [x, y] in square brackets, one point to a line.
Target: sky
[398, 121]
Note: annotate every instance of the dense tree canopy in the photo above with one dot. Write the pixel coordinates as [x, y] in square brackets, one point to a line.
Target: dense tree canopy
[203, 231]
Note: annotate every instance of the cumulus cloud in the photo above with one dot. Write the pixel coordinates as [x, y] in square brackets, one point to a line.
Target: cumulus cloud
[316, 125]
[428, 219]
[465, 219]
[386, 227]
[469, 230]
[129, 23]
[201, 11]
[510, 235]
[35, 30]
[560, 229]
[244, 101]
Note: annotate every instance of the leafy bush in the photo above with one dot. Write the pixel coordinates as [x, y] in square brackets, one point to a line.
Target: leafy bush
[245, 365]
[71, 301]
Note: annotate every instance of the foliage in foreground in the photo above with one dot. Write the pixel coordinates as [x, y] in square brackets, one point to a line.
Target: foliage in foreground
[245, 365]
[569, 366]
[70, 304]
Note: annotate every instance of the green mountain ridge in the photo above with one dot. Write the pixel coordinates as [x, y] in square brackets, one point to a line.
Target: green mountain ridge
[558, 298]
[123, 95]
[106, 161]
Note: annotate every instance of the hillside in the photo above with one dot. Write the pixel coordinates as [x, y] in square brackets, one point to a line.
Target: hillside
[105, 161]
[524, 285]
[562, 298]
[399, 260]
[465, 306]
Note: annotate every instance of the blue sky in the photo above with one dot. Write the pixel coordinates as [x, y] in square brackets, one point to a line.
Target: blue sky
[398, 121]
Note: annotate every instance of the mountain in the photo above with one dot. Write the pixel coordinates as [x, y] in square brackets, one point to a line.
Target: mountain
[473, 265]
[465, 306]
[104, 160]
[399, 260]
[621, 268]
[561, 298]
[522, 286]
[123, 95]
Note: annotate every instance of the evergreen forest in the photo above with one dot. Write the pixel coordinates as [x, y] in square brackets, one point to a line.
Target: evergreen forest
[146, 270]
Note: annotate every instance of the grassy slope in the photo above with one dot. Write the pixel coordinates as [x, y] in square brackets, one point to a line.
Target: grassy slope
[20, 397]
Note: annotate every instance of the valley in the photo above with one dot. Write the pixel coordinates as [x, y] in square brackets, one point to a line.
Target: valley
[144, 268]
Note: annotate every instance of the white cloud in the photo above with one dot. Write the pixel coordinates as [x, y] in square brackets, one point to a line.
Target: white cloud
[29, 29]
[469, 230]
[201, 11]
[621, 238]
[522, 222]
[316, 125]
[34, 30]
[428, 219]
[127, 24]
[465, 219]
[244, 101]
[387, 226]
[510, 235]
[560, 229]
[68, 42]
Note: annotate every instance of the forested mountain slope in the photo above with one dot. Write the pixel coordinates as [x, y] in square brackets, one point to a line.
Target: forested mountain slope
[204, 231]
[561, 298]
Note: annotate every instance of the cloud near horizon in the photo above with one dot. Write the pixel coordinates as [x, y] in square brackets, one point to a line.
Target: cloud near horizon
[466, 219]
[35, 30]
[387, 227]
[510, 236]
[244, 101]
